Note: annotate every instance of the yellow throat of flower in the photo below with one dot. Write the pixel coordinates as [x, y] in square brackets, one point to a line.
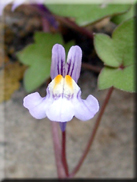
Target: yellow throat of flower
[63, 86]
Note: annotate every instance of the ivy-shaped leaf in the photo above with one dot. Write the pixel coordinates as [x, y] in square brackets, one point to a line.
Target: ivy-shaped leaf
[118, 54]
[38, 58]
[121, 79]
[125, 16]
[85, 14]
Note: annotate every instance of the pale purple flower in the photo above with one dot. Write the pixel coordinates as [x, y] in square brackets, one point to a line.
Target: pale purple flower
[63, 100]
[16, 3]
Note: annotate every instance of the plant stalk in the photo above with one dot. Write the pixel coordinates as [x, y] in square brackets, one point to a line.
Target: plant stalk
[91, 67]
[93, 133]
[57, 150]
[64, 159]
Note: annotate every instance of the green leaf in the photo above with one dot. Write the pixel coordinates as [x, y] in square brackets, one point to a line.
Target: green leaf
[38, 57]
[119, 78]
[125, 16]
[124, 36]
[35, 76]
[105, 49]
[85, 14]
[118, 54]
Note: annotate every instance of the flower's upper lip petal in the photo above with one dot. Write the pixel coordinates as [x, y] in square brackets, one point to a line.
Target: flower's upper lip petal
[74, 62]
[36, 105]
[86, 109]
[58, 61]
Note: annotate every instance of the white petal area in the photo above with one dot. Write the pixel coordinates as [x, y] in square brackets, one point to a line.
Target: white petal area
[86, 109]
[61, 110]
[36, 105]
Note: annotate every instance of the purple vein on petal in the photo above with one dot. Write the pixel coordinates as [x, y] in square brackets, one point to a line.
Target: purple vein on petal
[74, 62]
[58, 61]
[72, 69]
[62, 67]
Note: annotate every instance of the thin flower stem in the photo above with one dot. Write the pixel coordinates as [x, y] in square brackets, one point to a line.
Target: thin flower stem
[64, 159]
[91, 67]
[57, 150]
[93, 133]
[74, 26]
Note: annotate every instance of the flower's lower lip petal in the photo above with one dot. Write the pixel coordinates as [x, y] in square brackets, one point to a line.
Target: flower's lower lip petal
[36, 105]
[60, 110]
[86, 109]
